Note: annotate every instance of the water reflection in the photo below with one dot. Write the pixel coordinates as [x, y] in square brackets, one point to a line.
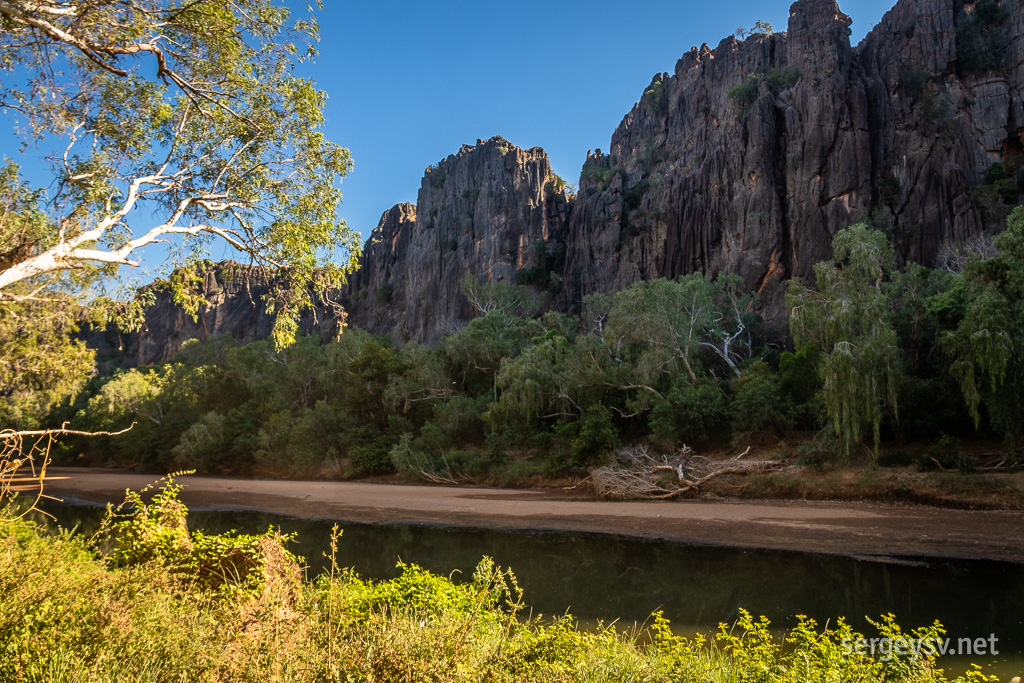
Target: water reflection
[597, 576]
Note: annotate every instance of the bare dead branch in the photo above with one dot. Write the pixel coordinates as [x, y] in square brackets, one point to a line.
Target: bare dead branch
[639, 475]
[24, 457]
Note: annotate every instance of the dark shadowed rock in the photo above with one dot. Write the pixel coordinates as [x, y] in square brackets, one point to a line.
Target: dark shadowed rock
[236, 307]
[747, 159]
[493, 210]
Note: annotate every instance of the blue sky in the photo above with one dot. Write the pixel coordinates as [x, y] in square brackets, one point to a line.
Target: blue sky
[410, 82]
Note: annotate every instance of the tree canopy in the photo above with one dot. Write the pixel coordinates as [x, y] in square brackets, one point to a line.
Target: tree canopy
[172, 119]
[985, 346]
[849, 319]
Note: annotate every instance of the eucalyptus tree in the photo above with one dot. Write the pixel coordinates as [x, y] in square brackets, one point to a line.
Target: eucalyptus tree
[672, 321]
[848, 317]
[42, 360]
[554, 378]
[173, 120]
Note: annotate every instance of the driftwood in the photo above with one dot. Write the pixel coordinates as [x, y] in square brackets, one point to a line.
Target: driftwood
[637, 474]
[991, 463]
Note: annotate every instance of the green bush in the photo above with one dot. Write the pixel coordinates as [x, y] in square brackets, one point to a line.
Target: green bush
[744, 94]
[981, 42]
[995, 173]
[591, 437]
[655, 98]
[821, 452]
[600, 176]
[634, 195]
[369, 450]
[385, 293]
[472, 462]
[157, 532]
[758, 405]
[436, 175]
[914, 82]
[690, 414]
[944, 453]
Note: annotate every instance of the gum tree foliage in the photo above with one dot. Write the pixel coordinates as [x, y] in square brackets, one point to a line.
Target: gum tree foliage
[504, 326]
[555, 378]
[986, 342]
[173, 120]
[510, 301]
[41, 361]
[848, 317]
[673, 320]
[669, 336]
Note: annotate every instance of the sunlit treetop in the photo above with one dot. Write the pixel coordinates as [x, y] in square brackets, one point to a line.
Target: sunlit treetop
[178, 121]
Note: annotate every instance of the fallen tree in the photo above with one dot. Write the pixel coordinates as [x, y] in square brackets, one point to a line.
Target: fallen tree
[639, 474]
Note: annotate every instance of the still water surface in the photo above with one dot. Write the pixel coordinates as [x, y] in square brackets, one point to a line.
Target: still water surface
[600, 577]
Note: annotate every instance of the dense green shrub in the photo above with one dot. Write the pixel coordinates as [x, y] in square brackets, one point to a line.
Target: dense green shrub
[981, 41]
[758, 406]
[800, 378]
[369, 451]
[385, 293]
[545, 274]
[945, 454]
[655, 98]
[599, 175]
[994, 173]
[157, 532]
[690, 414]
[591, 437]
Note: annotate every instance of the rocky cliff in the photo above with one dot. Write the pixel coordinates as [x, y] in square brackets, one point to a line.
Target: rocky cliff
[748, 158]
[495, 211]
[235, 295]
[752, 155]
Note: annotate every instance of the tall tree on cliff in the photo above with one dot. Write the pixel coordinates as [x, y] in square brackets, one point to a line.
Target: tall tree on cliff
[180, 122]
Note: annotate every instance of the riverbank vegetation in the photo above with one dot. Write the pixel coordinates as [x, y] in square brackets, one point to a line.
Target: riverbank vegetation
[149, 600]
[919, 370]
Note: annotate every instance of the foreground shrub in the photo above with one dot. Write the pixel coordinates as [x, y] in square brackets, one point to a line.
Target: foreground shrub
[67, 614]
[157, 533]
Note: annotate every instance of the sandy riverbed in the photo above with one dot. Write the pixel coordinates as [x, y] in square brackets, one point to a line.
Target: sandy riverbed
[858, 529]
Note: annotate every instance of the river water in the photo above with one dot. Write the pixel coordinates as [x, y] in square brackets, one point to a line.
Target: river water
[601, 578]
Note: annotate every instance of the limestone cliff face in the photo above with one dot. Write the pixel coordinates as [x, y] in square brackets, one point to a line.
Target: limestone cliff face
[751, 156]
[234, 293]
[492, 210]
[747, 159]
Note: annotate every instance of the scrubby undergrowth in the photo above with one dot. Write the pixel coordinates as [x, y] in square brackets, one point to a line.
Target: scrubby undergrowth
[167, 605]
